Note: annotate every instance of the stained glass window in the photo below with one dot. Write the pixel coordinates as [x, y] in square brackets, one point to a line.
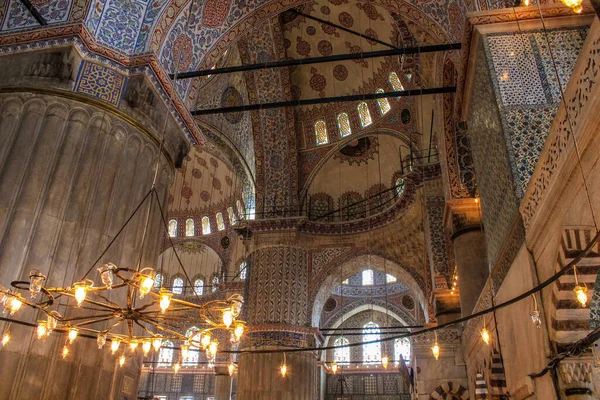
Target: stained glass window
[193, 351]
[205, 225]
[173, 228]
[384, 104]
[189, 227]
[158, 280]
[240, 209]
[402, 347]
[344, 125]
[165, 355]
[371, 352]
[341, 355]
[178, 286]
[321, 132]
[232, 217]
[395, 82]
[367, 277]
[399, 186]
[243, 270]
[215, 282]
[364, 114]
[199, 287]
[390, 278]
[220, 223]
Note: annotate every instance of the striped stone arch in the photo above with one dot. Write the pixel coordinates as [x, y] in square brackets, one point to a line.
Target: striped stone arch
[448, 391]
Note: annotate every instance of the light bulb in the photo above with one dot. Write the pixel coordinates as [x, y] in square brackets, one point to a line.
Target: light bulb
[72, 334]
[283, 369]
[146, 346]
[101, 340]
[156, 343]
[239, 330]
[184, 351]
[205, 341]
[334, 368]
[485, 336]
[231, 368]
[176, 367]
[106, 274]
[581, 293]
[42, 330]
[81, 289]
[36, 279]
[121, 360]
[51, 321]
[385, 361]
[574, 5]
[133, 345]
[535, 318]
[165, 300]
[65, 351]
[15, 305]
[114, 345]
[5, 338]
[227, 317]
[146, 282]
[213, 347]
[435, 349]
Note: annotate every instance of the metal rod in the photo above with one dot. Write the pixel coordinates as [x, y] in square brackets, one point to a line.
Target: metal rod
[34, 12]
[319, 60]
[325, 100]
[342, 28]
[361, 329]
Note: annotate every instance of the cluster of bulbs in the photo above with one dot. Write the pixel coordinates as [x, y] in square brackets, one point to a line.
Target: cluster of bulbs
[454, 281]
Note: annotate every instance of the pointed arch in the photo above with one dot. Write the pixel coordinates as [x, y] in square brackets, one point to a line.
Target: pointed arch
[364, 114]
[384, 104]
[344, 127]
[321, 132]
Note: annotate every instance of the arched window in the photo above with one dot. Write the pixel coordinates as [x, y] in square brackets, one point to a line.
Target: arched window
[240, 209]
[231, 214]
[344, 124]
[215, 282]
[371, 352]
[220, 223]
[165, 355]
[243, 270]
[341, 355]
[158, 280]
[399, 186]
[205, 225]
[367, 277]
[199, 287]
[364, 114]
[402, 347]
[189, 227]
[178, 286]
[395, 82]
[384, 104]
[321, 132]
[390, 278]
[173, 228]
[345, 282]
[193, 351]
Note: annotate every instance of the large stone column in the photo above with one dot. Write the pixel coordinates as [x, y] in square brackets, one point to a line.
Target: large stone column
[278, 315]
[222, 384]
[70, 175]
[471, 264]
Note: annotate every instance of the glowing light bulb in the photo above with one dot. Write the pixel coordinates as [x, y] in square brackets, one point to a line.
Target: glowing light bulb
[535, 318]
[227, 317]
[121, 360]
[5, 338]
[239, 330]
[146, 346]
[165, 300]
[176, 367]
[205, 341]
[581, 293]
[101, 340]
[15, 305]
[231, 368]
[574, 5]
[73, 335]
[36, 279]
[525, 3]
[106, 274]
[283, 370]
[485, 336]
[334, 368]
[385, 361]
[114, 345]
[185, 351]
[133, 345]
[81, 289]
[65, 352]
[146, 282]
[213, 347]
[156, 343]
[435, 349]
[51, 321]
[42, 330]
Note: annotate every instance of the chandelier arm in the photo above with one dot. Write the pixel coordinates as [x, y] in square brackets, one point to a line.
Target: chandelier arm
[130, 327]
[144, 328]
[94, 321]
[107, 299]
[170, 310]
[117, 323]
[88, 300]
[162, 328]
[84, 317]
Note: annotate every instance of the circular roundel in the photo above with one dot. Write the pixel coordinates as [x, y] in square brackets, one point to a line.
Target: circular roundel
[346, 19]
[330, 305]
[340, 72]
[405, 116]
[325, 47]
[408, 302]
[231, 97]
[225, 242]
[311, 30]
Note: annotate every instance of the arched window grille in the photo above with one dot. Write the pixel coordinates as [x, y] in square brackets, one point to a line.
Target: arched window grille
[384, 104]
[205, 225]
[215, 282]
[199, 287]
[165, 355]
[240, 209]
[390, 278]
[371, 352]
[243, 270]
[321, 132]
[158, 280]
[193, 351]
[395, 82]
[173, 228]
[232, 217]
[402, 347]
[220, 222]
[344, 125]
[189, 227]
[399, 186]
[364, 114]
[177, 286]
[341, 355]
[367, 277]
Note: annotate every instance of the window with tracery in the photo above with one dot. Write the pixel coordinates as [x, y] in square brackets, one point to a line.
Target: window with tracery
[390, 278]
[178, 286]
[321, 132]
[215, 282]
[399, 186]
[189, 227]
[199, 287]
[232, 217]
[372, 351]
[341, 355]
[367, 277]
[243, 270]
[173, 228]
[384, 104]
[344, 124]
[165, 355]
[395, 82]
[158, 280]
[193, 351]
[220, 222]
[205, 225]
[364, 114]
[240, 209]
[402, 347]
